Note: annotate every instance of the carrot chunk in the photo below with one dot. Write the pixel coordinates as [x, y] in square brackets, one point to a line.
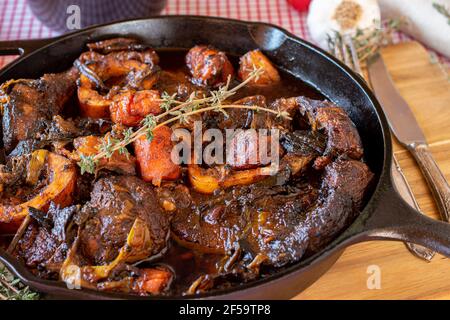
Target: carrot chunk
[154, 157]
[129, 108]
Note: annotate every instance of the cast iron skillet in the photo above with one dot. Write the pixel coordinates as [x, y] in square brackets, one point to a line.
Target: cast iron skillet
[386, 216]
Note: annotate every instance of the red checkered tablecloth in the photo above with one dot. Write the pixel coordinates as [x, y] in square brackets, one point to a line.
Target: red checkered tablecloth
[18, 22]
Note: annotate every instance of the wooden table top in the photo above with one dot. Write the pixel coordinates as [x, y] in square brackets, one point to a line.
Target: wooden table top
[425, 85]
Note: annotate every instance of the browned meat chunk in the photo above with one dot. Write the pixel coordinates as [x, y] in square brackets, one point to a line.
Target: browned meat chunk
[343, 137]
[209, 226]
[102, 76]
[41, 250]
[31, 102]
[47, 239]
[276, 230]
[302, 147]
[178, 83]
[122, 49]
[208, 66]
[217, 223]
[303, 142]
[13, 173]
[344, 186]
[284, 230]
[58, 132]
[65, 129]
[239, 118]
[117, 44]
[288, 105]
[247, 149]
[116, 203]
[278, 224]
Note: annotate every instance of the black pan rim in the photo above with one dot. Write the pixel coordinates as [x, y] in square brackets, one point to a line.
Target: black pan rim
[338, 243]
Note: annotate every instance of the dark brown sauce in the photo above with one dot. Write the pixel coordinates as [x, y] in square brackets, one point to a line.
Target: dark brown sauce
[5, 241]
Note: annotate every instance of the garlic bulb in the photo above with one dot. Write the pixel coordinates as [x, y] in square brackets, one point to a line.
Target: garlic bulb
[344, 16]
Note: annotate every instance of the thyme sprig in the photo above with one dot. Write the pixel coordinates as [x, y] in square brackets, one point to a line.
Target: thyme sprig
[277, 113]
[175, 111]
[12, 289]
[368, 41]
[442, 10]
[87, 163]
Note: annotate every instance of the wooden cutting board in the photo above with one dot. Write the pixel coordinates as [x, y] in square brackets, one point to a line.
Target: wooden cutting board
[426, 87]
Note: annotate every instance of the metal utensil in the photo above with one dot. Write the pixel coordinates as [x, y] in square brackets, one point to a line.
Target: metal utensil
[403, 188]
[404, 126]
[345, 50]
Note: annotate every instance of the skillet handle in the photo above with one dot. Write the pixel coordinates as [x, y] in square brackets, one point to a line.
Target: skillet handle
[394, 219]
[22, 47]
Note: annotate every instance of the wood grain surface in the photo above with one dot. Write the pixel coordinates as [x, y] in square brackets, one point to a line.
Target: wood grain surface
[426, 87]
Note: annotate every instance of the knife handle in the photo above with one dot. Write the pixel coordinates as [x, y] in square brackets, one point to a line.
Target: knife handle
[434, 177]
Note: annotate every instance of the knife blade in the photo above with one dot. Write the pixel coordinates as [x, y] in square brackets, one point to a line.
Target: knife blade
[405, 127]
[400, 117]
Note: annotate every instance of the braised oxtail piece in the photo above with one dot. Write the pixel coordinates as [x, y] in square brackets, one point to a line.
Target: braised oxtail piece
[31, 102]
[116, 203]
[343, 137]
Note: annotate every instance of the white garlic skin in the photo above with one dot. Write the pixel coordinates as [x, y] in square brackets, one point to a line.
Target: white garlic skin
[321, 21]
